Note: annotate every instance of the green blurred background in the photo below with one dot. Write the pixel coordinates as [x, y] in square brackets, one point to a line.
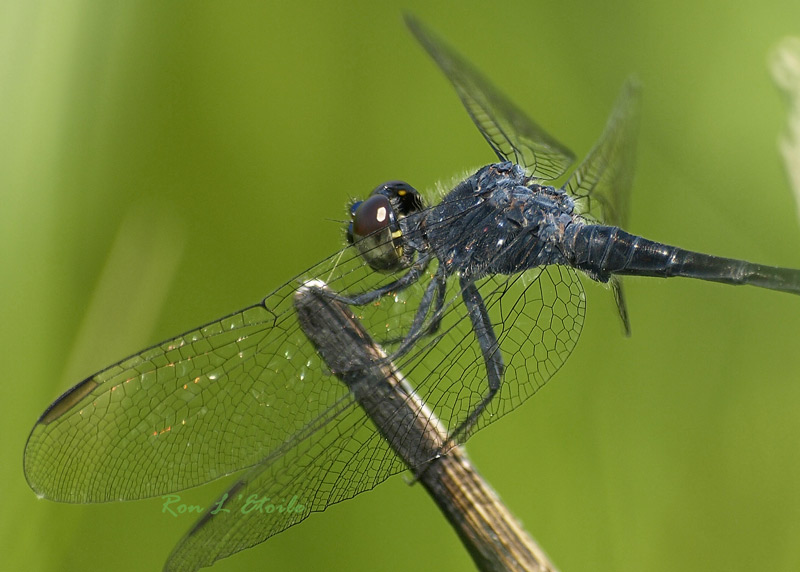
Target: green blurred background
[162, 164]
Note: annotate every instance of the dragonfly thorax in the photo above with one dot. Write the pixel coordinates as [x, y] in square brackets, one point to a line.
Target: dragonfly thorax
[499, 221]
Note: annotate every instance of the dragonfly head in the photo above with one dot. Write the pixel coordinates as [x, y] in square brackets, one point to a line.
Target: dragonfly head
[375, 227]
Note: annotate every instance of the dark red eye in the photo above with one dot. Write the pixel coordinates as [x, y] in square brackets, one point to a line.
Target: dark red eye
[376, 226]
[372, 215]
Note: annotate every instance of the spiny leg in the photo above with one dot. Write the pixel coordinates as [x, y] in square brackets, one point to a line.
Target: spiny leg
[441, 291]
[440, 281]
[411, 277]
[487, 340]
[436, 287]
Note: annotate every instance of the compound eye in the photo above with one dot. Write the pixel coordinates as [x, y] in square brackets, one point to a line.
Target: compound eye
[372, 215]
[371, 232]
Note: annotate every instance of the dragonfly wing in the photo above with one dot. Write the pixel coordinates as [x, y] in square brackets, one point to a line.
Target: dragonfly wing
[622, 305]
[509, 131]
[602, 183]
[538, 317]
[192, 409]
[328, 467]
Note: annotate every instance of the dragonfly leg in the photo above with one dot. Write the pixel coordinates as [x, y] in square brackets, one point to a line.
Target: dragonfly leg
[441, 290]
[412, 276]
[489, 348]
[437, 287]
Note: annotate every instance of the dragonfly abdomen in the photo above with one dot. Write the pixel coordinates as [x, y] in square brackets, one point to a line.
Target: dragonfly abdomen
[601, 251]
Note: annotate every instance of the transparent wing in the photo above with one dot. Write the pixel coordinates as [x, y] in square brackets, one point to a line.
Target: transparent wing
[191, 409]
[511, 133]
[330, 466]
[602, 184]
[538, 317]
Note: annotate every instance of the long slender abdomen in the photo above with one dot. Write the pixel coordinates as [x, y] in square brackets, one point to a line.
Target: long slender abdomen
[605, 250]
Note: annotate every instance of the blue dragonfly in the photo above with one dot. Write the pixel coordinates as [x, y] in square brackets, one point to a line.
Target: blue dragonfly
[476, 298]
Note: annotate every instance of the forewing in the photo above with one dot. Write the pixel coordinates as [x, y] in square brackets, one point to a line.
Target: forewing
[511, 133]
[189, 410]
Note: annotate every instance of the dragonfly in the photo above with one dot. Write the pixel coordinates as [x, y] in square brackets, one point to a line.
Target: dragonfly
[476, 298]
